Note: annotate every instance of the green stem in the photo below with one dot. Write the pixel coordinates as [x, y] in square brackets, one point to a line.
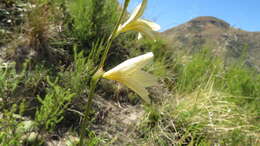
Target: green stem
[85, 122]
[95, 78]
[113, 35]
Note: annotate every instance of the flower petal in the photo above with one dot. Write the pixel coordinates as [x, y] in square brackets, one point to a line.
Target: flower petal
[154, 26]
[146, 31]
[145, 78]
[131, 65]
[138, 12]
[143, 26]
[138, 88]
[130, 74]
[139, 36]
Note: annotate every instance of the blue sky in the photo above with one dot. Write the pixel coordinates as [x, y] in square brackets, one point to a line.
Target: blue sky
[244, 14]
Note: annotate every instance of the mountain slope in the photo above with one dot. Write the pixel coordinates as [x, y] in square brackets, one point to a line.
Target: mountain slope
[218, 36]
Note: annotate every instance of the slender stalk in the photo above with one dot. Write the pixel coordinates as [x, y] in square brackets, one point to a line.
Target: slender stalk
[86, 120]
[95, 78]
[113, 35]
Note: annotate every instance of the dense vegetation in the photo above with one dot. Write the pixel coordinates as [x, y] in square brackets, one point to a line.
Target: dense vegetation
[50, 50]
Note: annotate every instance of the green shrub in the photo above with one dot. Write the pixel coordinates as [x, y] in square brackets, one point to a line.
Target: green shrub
[9, 82]
[77, 76]
[244, 84]
[92, 20]
[53, 105]
[241, 80]
[9, 122]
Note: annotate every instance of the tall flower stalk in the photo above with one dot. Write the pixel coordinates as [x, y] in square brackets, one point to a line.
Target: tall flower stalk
[96, 77]
[131, 67]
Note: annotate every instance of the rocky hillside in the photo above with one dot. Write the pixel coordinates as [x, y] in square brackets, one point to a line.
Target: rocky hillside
[218, 36]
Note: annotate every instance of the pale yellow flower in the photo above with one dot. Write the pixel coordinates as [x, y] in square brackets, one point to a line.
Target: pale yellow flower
[135, 23]
[130, 74]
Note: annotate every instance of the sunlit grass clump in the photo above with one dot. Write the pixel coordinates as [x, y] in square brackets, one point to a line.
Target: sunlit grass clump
[211, 104]
[205, 116]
